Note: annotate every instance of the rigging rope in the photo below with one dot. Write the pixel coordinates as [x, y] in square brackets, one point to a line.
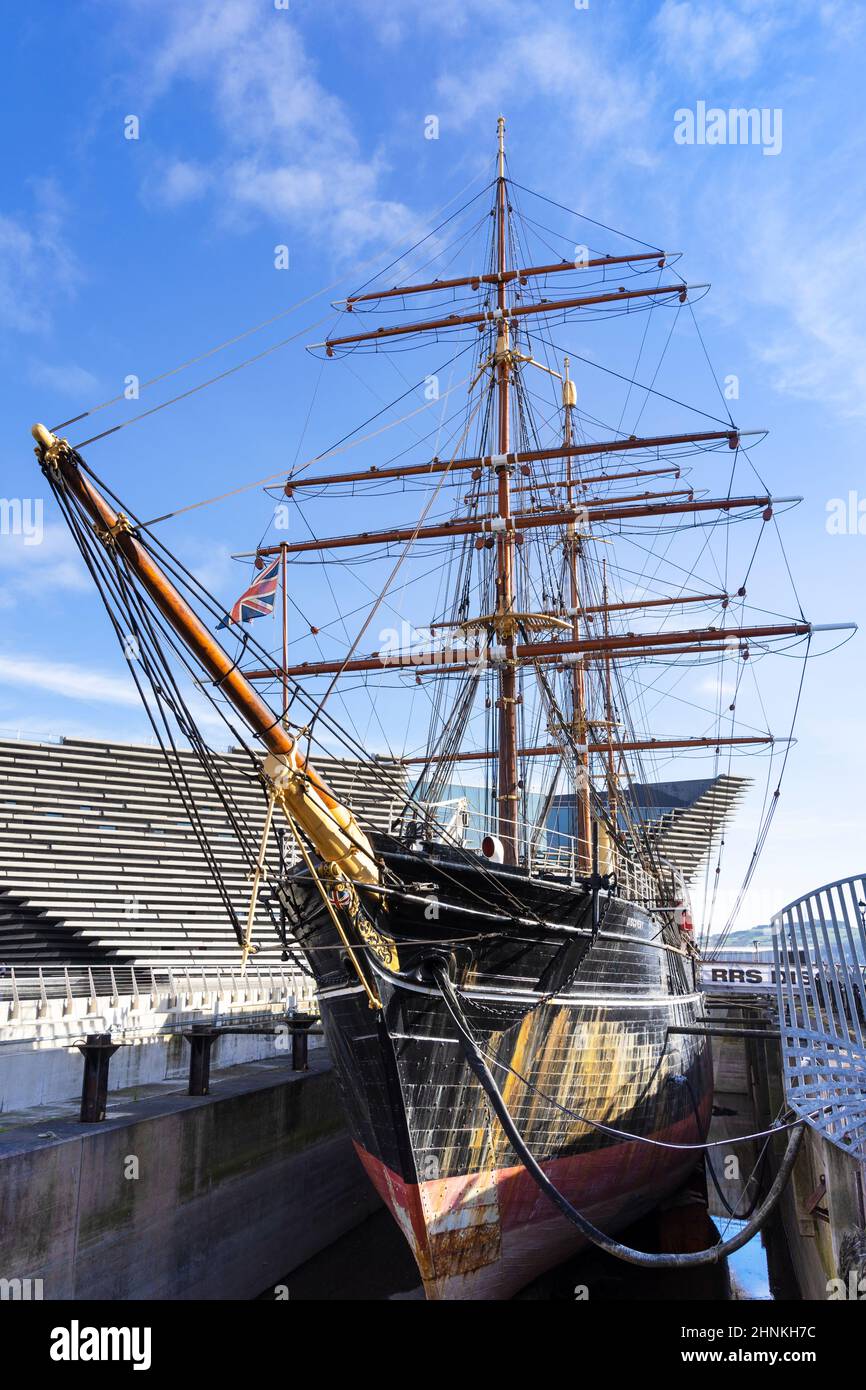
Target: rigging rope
[281, 314]
[330, 453]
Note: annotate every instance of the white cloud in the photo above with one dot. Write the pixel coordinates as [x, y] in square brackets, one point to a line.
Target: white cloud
[843, 22]
[716, 686]
[797, 262]
[289, 147]
[36, 263]
[710, 40]
[214, 568]
[49, 568]
[63, 678]
[38, 673]
[540, 59]
[67, 379]
[178, 181]
[392, 25]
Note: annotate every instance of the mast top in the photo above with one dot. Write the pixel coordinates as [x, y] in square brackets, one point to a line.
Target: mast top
[569, 389]
[500, 134]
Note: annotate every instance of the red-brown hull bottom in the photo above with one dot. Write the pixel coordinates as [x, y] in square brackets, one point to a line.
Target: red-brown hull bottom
[520, 1234]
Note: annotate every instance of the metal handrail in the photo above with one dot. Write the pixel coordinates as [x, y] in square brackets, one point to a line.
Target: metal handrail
[23, 983]
[819, 944]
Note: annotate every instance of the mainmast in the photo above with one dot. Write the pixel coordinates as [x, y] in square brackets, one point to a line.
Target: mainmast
[507, 778]
[516, 638]
[612, 798]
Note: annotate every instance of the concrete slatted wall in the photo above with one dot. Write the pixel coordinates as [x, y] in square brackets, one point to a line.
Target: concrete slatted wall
[99, 861]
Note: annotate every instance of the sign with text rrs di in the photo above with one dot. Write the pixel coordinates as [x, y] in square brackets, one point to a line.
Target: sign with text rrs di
[749, 976]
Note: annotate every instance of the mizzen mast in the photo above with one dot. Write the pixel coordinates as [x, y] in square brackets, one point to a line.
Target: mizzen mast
[579, 730]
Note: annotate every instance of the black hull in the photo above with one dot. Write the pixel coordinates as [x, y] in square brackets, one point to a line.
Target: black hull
[570, 1023]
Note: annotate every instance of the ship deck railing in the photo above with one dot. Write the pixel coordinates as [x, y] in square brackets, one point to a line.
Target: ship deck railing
[545, 850]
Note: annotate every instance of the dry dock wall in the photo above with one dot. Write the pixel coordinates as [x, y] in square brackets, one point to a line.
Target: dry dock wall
[824, 1215]
[179, 1197]
[816, 1243]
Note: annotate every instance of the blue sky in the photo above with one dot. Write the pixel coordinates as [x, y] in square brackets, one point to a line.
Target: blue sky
[304, 126]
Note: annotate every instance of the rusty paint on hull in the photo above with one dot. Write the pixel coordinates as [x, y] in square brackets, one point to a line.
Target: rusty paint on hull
[531, 1236]
[598, 1048]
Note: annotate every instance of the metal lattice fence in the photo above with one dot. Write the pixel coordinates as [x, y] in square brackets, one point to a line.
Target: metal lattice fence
[819, 943]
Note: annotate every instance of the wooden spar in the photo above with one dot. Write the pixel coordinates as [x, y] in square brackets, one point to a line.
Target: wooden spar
[635, 745]
[553, 484]
[624, 641]
[461, 659]
[504, 314]
[507, 771]
[619, 499]
[603, 446]
[471, 663]
[590, 610]
[628, 604]
[521, 275]
[540, 507]
[583, 804]
[329, 825]
[520, 521]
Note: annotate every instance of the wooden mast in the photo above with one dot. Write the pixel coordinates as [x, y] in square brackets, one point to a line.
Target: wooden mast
[612, 806]
[507, 777]
[502, 528]
[284, 578]
[578, 677]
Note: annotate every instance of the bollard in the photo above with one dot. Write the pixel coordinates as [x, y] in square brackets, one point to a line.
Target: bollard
[97, 1051]
[201, 1041]
[300, 1024]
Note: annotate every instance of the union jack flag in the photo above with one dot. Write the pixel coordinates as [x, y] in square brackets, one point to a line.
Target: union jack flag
[258, 600]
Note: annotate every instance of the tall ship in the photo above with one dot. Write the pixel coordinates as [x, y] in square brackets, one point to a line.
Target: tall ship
[507, 975]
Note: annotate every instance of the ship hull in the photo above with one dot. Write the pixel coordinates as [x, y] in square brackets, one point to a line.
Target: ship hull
[572, 1024]
[528, 1235]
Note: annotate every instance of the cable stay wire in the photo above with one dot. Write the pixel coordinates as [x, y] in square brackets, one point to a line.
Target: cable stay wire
[273, 318]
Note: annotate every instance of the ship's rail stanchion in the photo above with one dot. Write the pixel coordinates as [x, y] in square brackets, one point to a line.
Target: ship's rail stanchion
[97, 1051]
